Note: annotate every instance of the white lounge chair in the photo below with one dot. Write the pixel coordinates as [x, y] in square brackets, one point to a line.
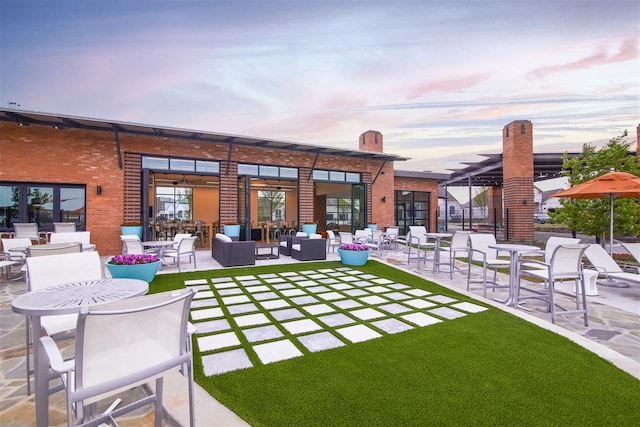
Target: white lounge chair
[609, 268]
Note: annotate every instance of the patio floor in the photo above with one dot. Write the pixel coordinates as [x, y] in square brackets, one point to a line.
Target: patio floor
[613, 333]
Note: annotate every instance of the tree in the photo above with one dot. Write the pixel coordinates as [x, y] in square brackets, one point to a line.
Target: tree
[481, 200]
[591, 216]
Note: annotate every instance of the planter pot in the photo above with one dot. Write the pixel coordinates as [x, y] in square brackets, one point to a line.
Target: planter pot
[232, 230]
[353, 257]
[144, 272]
[373, 226]
[309, 228]
[131, 229]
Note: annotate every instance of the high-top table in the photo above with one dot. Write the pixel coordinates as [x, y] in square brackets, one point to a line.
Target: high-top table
[436, 250]
[67, 298]
[514, 252]
[159, 246]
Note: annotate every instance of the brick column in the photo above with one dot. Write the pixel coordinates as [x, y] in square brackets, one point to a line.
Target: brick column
[517, 175]
[494, 205]
[228, 192]
[305, 192]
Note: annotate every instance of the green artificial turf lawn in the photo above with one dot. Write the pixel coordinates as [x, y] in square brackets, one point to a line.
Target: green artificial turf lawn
[490, 368]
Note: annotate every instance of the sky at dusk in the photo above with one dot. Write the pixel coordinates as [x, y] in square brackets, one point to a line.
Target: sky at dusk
[439, 79]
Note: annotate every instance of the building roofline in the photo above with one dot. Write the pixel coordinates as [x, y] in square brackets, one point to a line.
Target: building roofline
[59, 121]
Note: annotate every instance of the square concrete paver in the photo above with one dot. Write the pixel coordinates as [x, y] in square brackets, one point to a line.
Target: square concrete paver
[218, 341]
[226, 361]
[251, 319]
[320, 341]
[287, 314]
[337, 319]
[421, 319]
[212, 326]
[392, 326]
[347, 304]
[276, 351]
[301, 326]
[441, 299]
[358, 333]
[262, 333]
[469, 307]
[419, 303]
[318, 309]
[242, 308]
[235, 299]
[395, 308]
[206, 313]
[447, 313]
[367, 314]
[276, 303]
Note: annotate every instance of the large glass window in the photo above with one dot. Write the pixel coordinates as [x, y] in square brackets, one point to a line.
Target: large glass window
[42, 204]
[271, 206]
[412, 208]
[174, 203]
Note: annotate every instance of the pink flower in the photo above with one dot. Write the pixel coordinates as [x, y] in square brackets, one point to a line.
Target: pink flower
[354, 247]
[133, 259]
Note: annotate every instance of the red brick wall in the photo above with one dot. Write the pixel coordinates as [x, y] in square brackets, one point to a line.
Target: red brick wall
[38, 153]
[517, 158]
[429, 186]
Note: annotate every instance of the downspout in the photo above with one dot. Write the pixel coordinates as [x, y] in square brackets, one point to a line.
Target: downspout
[117, 139]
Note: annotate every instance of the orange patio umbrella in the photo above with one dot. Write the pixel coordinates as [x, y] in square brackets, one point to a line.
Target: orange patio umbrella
[611, 185]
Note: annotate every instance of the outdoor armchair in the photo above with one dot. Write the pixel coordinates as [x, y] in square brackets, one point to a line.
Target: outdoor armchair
[417, 240]
[309, 249]
[332, 241]
[64, 227]
[122, 345]
[28, 230]
[459, 244]
[232, 253]
[565, 264]
[83, 237]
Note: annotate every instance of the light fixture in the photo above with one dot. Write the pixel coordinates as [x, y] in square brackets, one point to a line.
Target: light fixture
[99, 190]
[525, 202]
[384, 199]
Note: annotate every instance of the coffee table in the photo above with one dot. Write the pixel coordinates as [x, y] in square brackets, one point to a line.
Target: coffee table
[274, 250]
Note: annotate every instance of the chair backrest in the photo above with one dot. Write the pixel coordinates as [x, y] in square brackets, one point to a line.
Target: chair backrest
[148, 332]
[83, 237]
[418, 232]
[553, 242]
[567, 258]
[29, 230]
[460, 239]
[480, 242]
[362, 234]
[54, 249]
[186, 245]
[132, 246]
[64, 227]
[376, 234]
[392, 232]
[179, 236]
[600, 258]
[345, 237]
[633, 249]
[331, 235]
[58, 269]
[18, 242]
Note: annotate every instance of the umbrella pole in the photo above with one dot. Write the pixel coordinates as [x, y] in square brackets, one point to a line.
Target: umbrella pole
[611, 203]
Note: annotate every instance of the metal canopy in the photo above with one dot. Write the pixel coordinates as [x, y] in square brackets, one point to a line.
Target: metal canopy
[488, 172]
[27, 118]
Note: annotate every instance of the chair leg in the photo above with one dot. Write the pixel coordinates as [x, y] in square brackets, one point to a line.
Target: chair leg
[28, 345]
[158, 403]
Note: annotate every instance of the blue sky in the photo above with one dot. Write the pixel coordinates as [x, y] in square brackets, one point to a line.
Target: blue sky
[439, 79]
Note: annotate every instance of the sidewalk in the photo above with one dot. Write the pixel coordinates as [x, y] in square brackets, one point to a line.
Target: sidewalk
[613, 333]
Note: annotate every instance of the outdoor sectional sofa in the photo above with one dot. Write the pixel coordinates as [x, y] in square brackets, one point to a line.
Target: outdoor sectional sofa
[309, 249]
[232, 253]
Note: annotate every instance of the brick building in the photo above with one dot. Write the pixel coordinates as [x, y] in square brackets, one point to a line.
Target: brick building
[101, 174]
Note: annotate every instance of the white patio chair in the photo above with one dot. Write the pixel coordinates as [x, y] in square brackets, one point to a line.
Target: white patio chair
[345, 237]
[392, 234]
[600, 259]
[633, 249]
[178, 237]
[131, 245]
[64, 227]
[83, 237]
[53, 270]
[417, 239]
[28, 230]
[122, 345]
[54, 249]
[17, 256]
[479, 251]
[551, 244]
[332, 241]
[186, 247]
[362, 236]
[459, 244]
[565, 264]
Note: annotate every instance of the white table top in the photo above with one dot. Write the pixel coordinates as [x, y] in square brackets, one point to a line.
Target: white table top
[158, 243]
[511, 247]
[71, 297]
[86, 247]
[439, 234]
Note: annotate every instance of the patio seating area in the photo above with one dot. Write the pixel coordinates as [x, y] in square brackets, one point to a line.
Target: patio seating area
[613, 332]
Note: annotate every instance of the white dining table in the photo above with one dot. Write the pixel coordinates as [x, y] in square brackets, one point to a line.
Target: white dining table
[66, 298]
[514, 252]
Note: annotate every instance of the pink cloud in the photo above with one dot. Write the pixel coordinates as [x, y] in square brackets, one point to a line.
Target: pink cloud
[448, 85]
[628, 51]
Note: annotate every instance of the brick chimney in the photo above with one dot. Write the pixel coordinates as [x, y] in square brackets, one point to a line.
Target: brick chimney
[517, 176]
[371, 140]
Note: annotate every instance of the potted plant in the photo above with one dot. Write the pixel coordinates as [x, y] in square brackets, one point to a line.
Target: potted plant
[131, 228]
[353, 253]
[309, 228]
[231, 229]
[134, 266]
